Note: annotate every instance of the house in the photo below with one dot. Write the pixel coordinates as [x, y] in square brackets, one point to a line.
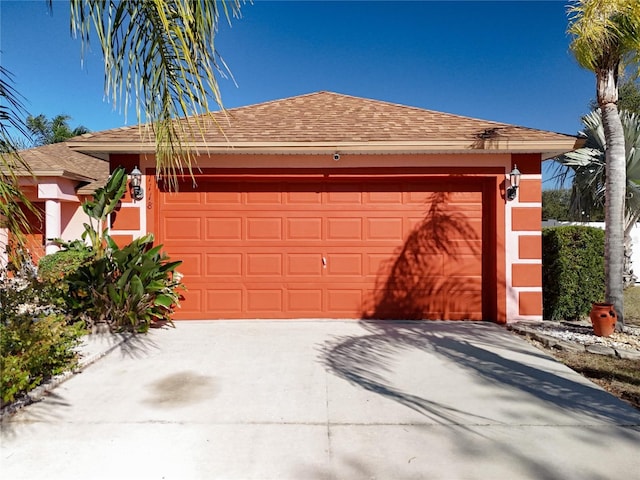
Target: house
[59, 181]
[333, 206]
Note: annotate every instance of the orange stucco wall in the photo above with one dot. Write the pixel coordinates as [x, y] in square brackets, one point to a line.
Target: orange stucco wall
[526, 217]
[514, 275]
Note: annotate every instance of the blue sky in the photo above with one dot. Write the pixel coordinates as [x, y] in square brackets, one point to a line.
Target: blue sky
[507, 61]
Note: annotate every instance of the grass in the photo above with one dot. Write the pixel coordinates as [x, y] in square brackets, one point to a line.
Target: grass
[632, 306]
[617, 376]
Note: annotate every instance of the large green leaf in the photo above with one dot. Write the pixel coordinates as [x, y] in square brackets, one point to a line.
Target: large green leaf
[165, 300]
[115, 294]
[137, 289]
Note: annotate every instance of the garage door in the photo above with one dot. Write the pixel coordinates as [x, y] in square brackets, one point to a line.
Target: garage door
[304, 247]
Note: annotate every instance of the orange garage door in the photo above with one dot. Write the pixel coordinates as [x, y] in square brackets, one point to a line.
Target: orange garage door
[326, 248]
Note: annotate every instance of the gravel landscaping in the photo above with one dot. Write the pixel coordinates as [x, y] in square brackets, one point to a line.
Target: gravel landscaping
[579, 336]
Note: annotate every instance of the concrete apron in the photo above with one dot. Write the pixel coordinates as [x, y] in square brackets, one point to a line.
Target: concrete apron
[324, 399]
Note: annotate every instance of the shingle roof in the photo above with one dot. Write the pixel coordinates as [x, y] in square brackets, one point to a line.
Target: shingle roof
[58, 160]
[326, 118]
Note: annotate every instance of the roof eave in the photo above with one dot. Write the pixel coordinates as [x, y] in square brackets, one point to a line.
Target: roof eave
[549, 148]
[54, 173]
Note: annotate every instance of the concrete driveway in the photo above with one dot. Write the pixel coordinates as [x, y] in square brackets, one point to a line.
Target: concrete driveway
[324, 400]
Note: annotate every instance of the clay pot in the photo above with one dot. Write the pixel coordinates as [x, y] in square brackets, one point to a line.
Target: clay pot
[603, 318]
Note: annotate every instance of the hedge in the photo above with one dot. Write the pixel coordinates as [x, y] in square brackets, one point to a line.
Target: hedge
[54, 267]
[572, 271]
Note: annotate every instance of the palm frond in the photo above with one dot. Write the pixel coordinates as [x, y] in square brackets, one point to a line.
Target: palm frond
[161, 55]
[12, 217]
[586, 166]
[631, 123]
[605, 32]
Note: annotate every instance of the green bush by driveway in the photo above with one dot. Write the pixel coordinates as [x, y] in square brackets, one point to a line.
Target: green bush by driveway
[572, 271]
[36, 343]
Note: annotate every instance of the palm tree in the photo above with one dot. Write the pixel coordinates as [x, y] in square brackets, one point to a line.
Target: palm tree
[586, 167]
[606, 38]
[45, 131]
[161, 55]
[12, 217]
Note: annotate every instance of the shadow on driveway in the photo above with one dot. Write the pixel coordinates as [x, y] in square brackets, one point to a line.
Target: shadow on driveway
[368, 362]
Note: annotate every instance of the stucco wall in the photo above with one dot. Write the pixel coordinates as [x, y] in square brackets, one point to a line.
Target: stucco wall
[518, 251]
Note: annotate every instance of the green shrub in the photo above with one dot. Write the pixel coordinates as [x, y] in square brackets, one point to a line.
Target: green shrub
[128, 288]
[35, 341]
[572, 271]
[56, 266]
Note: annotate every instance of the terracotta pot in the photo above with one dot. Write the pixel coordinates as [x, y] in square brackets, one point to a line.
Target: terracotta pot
[603, 318]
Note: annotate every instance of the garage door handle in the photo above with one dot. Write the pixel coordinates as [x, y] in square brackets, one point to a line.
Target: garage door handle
[324, 262]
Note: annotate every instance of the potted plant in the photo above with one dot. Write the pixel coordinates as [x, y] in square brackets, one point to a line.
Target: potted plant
[603, 318]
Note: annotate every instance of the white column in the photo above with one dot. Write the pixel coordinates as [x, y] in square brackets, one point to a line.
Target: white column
[4, 241]
[52, 224]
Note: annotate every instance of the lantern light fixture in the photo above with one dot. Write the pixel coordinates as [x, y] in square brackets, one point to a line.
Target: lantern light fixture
[135, 184]
[514, 181]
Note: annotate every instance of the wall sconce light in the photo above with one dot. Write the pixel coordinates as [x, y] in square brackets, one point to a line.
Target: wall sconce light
[135, 184]
[514, 180]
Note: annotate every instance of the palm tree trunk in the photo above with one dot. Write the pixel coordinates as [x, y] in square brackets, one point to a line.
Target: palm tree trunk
[614, 208]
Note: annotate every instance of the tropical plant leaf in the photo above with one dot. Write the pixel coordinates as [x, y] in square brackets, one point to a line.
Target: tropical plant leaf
[137, 289]
[586, 166]
[164, 300]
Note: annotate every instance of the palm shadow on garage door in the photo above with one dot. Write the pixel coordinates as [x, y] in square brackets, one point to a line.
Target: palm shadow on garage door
[438, 272]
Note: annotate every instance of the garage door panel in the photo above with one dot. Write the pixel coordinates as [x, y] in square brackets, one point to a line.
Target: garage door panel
[463, 265]
[344, 300]
[306, 300]
[220, 228]
[474, 197]
[391, 197]
[304, 228]
[264, 264]
[224, 198]
[344, 228]
[264, 300]
[304, 264]
[378, 264]
[182, 229]
[192, 263]
[191, 303]
[309, 195]
[223, 264]
[456, 247]
[269, 228]
[451, 230]
[391, 249]
[182, 198]
[264, 198]
[385, 228]
[344, 197]
[225, 301]
[418, 199]
[344, 264]
[416, 304]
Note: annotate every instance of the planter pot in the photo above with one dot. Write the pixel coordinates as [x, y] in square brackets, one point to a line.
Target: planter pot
[603, 318]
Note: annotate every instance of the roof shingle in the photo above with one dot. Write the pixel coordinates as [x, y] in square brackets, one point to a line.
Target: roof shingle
[324, 117]
[59, 160]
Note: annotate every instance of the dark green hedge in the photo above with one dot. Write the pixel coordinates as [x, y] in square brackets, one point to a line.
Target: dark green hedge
[572, 271]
